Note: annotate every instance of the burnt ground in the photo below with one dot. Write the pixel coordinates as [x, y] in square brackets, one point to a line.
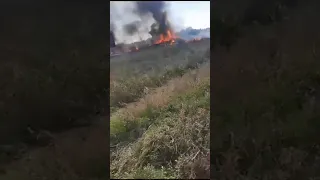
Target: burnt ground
[143, 61]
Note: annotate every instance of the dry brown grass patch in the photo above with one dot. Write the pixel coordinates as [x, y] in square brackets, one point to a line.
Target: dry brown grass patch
[159, 97]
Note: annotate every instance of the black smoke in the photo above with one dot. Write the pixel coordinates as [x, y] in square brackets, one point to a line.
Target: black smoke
[164, 24]
[132, 28]
[157, 10]
[135, 18]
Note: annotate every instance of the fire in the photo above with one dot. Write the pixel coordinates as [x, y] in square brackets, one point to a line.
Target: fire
[169, 37]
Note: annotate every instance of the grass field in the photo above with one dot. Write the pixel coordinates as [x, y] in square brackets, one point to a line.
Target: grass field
[161, 96]
[132, 73]
[153, 109]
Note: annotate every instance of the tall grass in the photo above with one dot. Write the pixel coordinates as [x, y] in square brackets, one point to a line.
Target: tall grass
[166, 148]
[126, 89]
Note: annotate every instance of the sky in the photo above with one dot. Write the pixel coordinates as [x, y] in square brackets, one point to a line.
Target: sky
[195, 14]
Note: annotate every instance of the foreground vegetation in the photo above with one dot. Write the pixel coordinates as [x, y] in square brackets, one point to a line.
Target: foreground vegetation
[153, 110]
[156, 142]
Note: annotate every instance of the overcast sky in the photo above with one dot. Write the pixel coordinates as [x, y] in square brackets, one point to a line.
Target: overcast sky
[195, 14]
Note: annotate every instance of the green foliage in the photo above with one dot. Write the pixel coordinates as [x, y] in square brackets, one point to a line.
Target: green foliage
[158, 152]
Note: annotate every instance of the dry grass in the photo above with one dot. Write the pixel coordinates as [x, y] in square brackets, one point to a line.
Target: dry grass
[130, 89]
[131, 76]
[149, 90]
[159, 97]
[146, 123]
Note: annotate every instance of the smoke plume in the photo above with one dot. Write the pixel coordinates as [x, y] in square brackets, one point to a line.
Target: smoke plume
[135, 20]
[156, 8]
[133, 27]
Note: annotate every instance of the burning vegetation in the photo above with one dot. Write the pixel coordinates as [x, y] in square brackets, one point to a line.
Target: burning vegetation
[168, 37]
[161, 31]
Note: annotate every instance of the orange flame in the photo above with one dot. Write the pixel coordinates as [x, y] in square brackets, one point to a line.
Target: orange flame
[164, 38]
